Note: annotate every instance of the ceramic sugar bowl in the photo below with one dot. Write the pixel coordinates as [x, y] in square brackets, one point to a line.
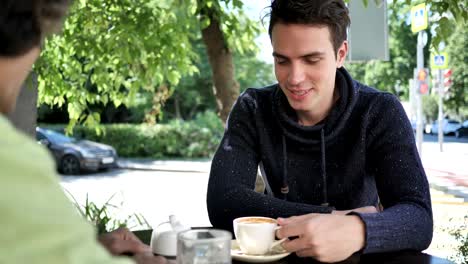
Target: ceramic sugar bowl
[164, 237]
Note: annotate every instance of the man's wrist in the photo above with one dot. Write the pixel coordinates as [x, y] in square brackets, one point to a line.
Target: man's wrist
[341, 212]
[358, 231]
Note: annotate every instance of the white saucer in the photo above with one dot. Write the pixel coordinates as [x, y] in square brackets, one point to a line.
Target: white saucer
[276, 254]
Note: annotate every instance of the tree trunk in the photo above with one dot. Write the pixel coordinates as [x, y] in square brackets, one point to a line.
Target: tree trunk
[226, 88]
[24, 116]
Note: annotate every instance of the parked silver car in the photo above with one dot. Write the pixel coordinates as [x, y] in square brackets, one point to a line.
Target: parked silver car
[73, 155]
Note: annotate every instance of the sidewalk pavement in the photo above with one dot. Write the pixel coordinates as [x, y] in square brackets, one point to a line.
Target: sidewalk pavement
[446, 171]
[200, 166]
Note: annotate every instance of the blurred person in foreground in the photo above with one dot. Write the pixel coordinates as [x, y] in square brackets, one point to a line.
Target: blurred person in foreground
[329, 147]
[40, 225]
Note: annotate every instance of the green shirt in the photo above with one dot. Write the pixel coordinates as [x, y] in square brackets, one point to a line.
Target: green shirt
[38, 222]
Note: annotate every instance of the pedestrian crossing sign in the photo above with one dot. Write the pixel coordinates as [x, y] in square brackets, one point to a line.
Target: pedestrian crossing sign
[418, 18]
[439, 61]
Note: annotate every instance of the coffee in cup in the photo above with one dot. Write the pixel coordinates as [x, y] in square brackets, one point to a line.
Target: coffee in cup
[255, 234]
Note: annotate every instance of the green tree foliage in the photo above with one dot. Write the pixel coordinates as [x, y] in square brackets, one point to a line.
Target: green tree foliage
[460, 233]
[430, 107]
[195, 93]
[442, 13]
[457, 101]
[252, 72]
[110, 50]
[117, 48]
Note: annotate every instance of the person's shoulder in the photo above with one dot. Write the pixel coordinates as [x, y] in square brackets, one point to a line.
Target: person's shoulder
[259, 93]
[11, 136]
[380, 105]
[257, 96]
[19, 152]
[374, 95]
[365, 90]
[15, 140]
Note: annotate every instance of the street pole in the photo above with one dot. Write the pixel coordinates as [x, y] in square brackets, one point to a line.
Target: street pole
[441, 110]
[420, 66]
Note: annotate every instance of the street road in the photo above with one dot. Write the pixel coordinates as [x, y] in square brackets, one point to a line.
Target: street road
[153, 194]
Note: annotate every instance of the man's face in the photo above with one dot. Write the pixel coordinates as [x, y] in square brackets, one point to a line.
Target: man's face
[305, 65]
[13, 72]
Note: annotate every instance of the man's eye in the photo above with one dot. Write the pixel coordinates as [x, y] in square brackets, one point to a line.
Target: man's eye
[312, 61]
[280, 61]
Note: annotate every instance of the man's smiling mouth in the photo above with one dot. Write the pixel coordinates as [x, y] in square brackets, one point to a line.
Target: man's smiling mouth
[299, 94]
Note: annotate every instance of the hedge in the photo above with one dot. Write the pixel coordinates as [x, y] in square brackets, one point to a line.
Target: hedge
[177, 139]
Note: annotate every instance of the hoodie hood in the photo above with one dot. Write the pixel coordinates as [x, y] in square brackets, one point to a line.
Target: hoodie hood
[332, 125]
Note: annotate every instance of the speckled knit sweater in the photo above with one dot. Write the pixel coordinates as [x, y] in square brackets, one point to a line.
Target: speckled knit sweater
[362, 152]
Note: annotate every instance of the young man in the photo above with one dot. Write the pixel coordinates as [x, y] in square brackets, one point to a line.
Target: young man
[330, 147]
[39, 224]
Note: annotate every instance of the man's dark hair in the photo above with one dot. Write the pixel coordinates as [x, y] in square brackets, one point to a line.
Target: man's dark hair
[24, 23]
[331, 13]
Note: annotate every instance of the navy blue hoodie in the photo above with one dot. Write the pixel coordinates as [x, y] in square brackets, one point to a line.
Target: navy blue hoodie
[362, 153]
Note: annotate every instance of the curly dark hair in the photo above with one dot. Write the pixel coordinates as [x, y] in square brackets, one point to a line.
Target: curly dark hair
[332, 13]
[24, 23]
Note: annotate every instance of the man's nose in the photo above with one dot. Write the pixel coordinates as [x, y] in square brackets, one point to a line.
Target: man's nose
[296, 74]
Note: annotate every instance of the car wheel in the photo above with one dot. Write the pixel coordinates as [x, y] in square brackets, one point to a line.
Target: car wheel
[70, 165]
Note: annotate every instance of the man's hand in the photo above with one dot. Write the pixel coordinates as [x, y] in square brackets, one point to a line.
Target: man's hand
[123, 241]
[364, 210]
[325, 237]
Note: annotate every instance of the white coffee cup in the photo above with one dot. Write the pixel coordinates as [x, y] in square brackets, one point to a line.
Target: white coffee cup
[256, 234]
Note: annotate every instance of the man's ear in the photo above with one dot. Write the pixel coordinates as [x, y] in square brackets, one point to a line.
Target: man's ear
[341, 54]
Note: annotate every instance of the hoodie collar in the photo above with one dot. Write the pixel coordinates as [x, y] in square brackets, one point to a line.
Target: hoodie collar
[332, 124]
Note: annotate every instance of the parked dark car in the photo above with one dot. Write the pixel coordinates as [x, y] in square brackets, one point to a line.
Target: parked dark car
[463, 130]
[73, 156]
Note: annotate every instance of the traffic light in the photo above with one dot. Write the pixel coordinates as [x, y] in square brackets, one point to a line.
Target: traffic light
[447, 79]
[423, 81]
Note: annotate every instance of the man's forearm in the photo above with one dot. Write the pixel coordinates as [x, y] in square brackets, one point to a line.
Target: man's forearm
[224, 207]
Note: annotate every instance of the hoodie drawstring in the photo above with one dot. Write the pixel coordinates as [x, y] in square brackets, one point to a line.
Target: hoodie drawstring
[285, 186]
